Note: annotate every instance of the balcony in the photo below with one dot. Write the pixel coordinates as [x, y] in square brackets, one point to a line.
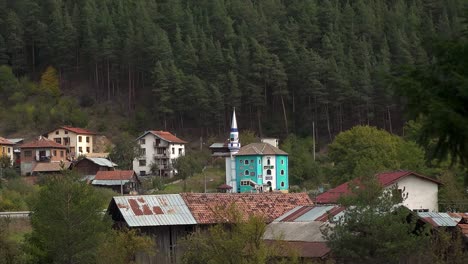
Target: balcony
[43, 159]
[161, 156]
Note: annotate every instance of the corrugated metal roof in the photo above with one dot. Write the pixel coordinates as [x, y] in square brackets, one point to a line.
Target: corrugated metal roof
[102, 162]
[314, 213]
[154, 210]
[440, 219]
[109, 182]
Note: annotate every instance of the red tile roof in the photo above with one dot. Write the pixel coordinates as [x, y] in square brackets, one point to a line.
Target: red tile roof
[385, 179]
[42, 142]
[303, 249]
[78, 130]
[114, 175]
[167, 136]
[211, 208]
[4, 141]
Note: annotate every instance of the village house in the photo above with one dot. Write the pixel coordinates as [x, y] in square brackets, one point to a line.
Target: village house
[16, 150]
[121, 181]
[78, 141]
[159, 150]
[90, 166]
[420, 193]
[300, 230]
[43, 156]
[6, 149]
[171, 217]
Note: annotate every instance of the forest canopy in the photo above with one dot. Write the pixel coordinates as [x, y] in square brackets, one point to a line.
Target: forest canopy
[283, 64]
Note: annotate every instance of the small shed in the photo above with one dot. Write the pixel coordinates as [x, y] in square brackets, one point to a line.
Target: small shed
[118, 180]
[90, 166]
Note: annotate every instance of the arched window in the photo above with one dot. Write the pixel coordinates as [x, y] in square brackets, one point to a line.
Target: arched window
[268, 161]
[247, 172]
[246, 162]
[282, 172]
[282, 184]
[268, 172]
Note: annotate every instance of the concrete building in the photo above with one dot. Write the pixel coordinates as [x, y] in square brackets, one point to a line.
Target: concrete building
[159, 151]
[78, 141]
[419, 192]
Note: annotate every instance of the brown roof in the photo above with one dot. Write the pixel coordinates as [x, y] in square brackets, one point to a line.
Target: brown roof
[78, 130]
[42, 142]
[114, 175]
[51, 166]
[4, 141]
[167, 136]
[260, 149]
[210, 208]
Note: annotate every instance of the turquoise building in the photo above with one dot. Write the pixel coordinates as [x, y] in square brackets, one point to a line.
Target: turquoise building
[261, 167]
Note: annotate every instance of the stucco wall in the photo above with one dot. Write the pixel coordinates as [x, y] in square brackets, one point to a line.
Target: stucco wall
[422, 194]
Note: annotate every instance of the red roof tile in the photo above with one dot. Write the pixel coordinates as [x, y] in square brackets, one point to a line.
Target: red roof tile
[42, 142]
[168, 136]
[211, 208]
[114, 175]
[4, 141]
[385, 179]
[78, 130]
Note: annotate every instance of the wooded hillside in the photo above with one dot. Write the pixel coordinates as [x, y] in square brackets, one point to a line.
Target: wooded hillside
[180, 64]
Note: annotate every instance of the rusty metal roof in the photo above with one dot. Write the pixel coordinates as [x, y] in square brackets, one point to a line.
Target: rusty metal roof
[154, 210]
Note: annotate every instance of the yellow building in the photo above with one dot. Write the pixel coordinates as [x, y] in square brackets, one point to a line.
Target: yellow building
[6, 148]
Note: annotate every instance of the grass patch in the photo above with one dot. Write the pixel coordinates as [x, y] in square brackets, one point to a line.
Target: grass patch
[214, 177]
[17, 228]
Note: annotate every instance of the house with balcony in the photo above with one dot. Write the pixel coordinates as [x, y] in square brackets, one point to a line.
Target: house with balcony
[78, 141]
[43, 156]
[6, 149]
[159, 150]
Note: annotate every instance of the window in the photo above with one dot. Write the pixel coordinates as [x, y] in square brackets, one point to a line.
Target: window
[421, 210]
[161, 151]
[251, 161]
[143, 151]
[142, 162]
[268, 162]
[282, 184]
[55, 153]
[66, 141]
[241, 161]
[58, 140]
[252, 173]
[142, 141]
[259, 162]
[158, 141]
[56, 132]
[173, 151]
[87, 139]
[180, 151]
[268, 172]
[246, 173]
[87, 150]
[66, 132]
[282, 162]
[3, 149]
[28, 153]
[282, 172]
[142, 173]
[61, 153]
[246, 162]
[80, 149]
[9, 150]
[79, 139]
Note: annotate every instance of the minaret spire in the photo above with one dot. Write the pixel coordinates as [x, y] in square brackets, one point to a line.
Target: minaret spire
[234, 144]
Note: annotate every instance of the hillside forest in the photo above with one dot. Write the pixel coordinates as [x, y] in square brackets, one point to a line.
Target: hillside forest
[182, 65]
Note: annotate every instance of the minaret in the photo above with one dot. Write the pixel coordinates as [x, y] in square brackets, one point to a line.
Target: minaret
[234, 146]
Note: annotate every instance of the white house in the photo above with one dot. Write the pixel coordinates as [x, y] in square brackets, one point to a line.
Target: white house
[159, 150]
[420, 192]
[79, 141]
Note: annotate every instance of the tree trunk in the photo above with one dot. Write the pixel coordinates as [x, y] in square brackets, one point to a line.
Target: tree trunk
[284, 115]
[328, 122]
[108, 82]
[259, 119]
[389, 120]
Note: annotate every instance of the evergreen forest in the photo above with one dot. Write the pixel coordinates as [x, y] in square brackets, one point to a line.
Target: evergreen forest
[182, 65]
